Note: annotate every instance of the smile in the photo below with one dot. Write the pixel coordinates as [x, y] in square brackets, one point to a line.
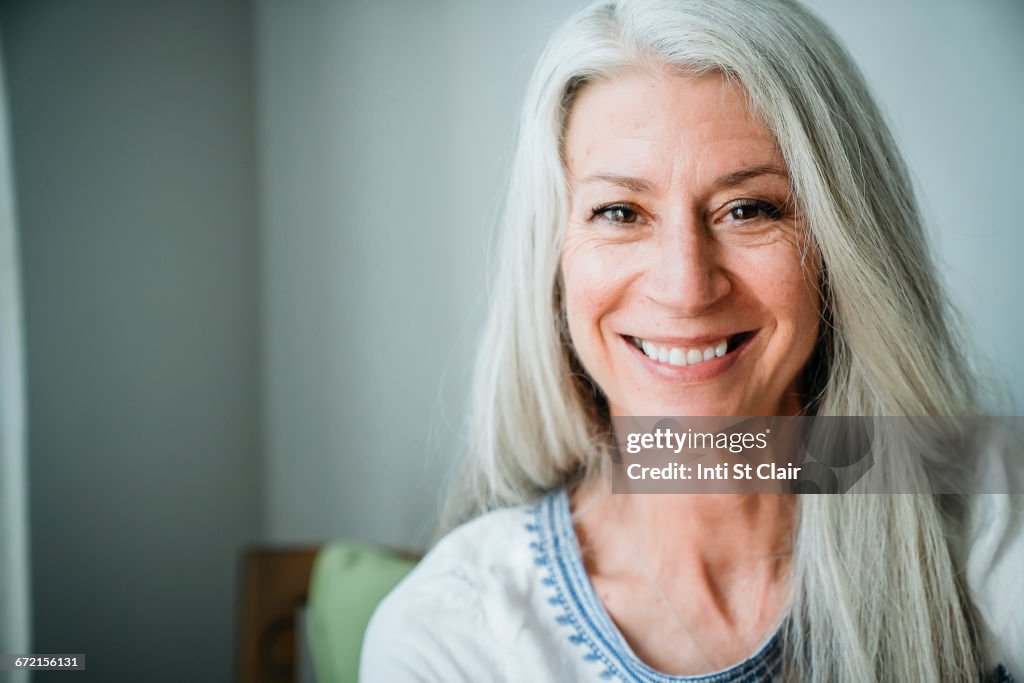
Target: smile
[679, 356]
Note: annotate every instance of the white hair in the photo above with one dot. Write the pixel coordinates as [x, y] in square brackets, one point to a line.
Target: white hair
[876, 594]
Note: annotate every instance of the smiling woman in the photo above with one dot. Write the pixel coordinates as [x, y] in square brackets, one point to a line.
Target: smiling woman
[707, 217]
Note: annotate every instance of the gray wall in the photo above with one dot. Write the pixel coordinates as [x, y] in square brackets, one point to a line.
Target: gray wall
[385, 128]
[15, 585]
[134, 156]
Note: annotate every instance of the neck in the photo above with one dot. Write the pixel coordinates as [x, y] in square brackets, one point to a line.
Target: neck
[728, 544]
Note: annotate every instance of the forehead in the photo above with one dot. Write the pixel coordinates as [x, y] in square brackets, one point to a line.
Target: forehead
[661, 125]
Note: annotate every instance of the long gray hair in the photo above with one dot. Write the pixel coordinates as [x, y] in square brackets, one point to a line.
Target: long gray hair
[875, 589]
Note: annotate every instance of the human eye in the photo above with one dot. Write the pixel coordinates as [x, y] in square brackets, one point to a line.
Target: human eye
[617, 214]
[748, 210]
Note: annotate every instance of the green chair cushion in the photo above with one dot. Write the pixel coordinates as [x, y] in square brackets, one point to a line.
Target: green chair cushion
[349, 580]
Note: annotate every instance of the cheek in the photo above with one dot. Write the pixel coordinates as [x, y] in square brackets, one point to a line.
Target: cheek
[584, 297]
[775, 280]
[593, 286]
[789, 288]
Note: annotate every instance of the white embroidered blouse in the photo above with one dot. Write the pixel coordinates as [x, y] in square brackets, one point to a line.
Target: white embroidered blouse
[506, 597]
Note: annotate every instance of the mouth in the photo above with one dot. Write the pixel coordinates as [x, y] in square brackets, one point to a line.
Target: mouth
[682, 356]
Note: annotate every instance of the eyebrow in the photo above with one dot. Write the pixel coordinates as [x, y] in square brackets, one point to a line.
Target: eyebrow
[631, 183]
[639, 185]
[737, 177]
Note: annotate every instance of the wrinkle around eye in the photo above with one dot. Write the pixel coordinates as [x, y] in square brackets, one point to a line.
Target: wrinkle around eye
[586, 234]
[761, 232]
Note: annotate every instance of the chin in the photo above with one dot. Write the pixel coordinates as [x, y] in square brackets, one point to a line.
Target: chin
[687, 409]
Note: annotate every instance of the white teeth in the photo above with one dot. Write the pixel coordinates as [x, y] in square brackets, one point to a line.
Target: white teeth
[680, 357]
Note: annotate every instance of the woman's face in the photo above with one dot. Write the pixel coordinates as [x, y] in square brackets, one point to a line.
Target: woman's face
[685, 288]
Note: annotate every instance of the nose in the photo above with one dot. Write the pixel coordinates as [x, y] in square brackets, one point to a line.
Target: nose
[685, 274]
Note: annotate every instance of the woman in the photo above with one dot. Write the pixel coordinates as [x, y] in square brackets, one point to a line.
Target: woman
[707, 216]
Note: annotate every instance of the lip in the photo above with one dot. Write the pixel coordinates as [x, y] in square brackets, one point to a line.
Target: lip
[690, 374]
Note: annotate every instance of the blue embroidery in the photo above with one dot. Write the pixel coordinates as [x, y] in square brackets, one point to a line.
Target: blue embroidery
[543, 549]
[556, 548]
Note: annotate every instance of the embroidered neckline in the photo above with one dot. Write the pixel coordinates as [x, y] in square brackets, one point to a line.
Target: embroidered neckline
[576, 605]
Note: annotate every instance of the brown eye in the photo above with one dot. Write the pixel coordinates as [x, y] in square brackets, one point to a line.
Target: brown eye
[748, 210]
[616, 213]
